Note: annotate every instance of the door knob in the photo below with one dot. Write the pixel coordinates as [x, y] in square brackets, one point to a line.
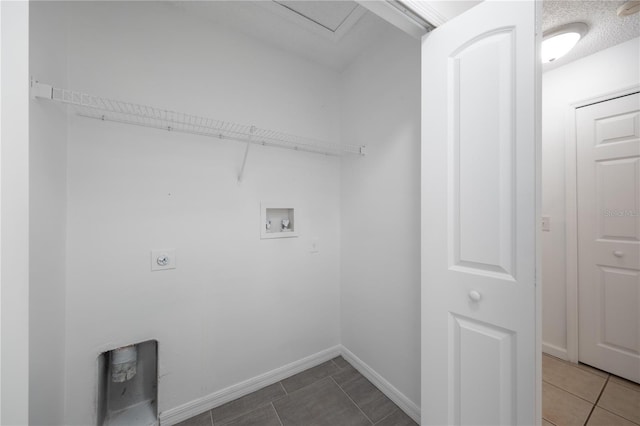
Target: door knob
[475, 295]
[618, 253]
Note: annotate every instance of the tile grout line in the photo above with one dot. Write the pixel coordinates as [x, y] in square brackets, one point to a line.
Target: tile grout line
[283, 388]
[593, 407]
[573, 394]
[352, 401]
[277, 415]
[388, 415]
[607, 380]
[618, 415]
[622, 382]
[315, 381]
[245, 411]
[610, 411]
[623, 416]
[578, 365]
[286, 393]
[347, 381]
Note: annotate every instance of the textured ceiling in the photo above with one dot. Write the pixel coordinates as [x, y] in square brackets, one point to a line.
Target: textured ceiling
[606, 29]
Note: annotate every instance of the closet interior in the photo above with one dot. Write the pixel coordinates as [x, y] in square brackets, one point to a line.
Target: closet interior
[235, 184]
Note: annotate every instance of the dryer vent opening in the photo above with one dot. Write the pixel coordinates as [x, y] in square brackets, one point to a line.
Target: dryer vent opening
[128, 385]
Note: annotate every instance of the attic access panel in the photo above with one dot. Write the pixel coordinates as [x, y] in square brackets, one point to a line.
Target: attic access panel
[329, 15]
[331, 19]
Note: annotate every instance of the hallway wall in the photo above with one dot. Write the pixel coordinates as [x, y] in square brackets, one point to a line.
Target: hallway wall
[608, 70]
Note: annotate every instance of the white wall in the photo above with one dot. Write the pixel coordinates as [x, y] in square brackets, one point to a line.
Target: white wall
[380, 211]
[606, 71]
[14, 213]
[236, 306]
[47, 220]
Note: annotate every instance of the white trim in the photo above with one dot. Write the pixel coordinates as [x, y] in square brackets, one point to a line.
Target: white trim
[405, 404]
[427, 11]
[606, 96]
[1, 214]
[571, 239]
[538, 16]
[571, 215]
[216, 399]
[14, 214]
[394, 16]
[555, 351]
[208, 402]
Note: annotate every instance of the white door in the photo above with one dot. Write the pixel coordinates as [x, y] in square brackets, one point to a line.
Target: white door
[480, 351]
[608, 140]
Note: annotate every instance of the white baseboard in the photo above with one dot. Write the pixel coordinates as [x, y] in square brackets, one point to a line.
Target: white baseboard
[200, 405]
[554, 350]
[405, 404]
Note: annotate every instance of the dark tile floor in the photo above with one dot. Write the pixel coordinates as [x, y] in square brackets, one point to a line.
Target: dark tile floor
[331, 394]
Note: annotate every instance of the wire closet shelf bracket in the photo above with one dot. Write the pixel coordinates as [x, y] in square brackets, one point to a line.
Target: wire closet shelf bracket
[92, 106]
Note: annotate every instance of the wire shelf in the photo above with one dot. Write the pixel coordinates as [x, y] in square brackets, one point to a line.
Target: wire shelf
[106, 109]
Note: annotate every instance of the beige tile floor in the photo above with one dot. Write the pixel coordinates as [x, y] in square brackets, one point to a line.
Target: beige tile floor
[581, 395]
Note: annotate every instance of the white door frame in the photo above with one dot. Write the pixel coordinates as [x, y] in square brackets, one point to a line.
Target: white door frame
[14, 212]
[571, 214]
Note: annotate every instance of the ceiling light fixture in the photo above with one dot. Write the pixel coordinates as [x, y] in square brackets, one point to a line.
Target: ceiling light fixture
[629, 8]
[558, 41]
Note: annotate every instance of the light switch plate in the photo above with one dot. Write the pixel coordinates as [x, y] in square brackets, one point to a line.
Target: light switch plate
[315, 245]
[163, 259]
